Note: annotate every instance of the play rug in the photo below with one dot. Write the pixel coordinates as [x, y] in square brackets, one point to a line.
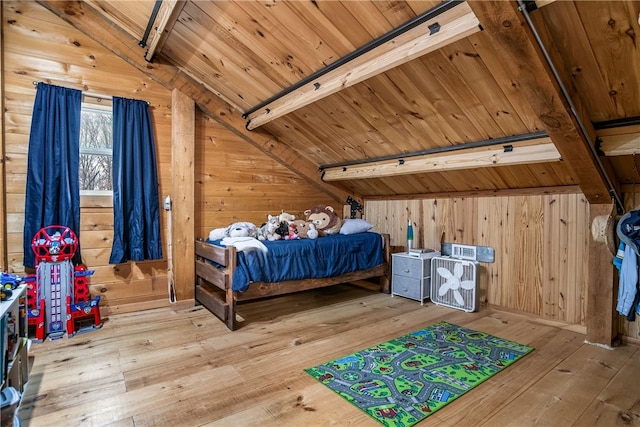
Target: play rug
[403, 381]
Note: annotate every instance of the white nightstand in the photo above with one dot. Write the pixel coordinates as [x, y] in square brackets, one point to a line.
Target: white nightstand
[411, 275]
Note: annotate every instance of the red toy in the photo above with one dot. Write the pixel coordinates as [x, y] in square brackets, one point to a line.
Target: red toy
[58, 294]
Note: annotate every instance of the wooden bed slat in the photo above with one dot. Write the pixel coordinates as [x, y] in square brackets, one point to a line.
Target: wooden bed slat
[212, 275]
[212, 302]
[211, 252]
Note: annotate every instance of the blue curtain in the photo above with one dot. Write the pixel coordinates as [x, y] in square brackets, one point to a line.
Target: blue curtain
[53, 189]
[136, 208]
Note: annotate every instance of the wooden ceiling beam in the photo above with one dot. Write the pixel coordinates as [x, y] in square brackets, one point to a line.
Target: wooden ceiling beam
[619, 141]
[87, 20]
[522, 56]
[452, 25]
[162, 26]
[543, 3]
[526, 152]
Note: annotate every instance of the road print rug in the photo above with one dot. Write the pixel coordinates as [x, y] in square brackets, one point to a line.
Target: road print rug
[402, 381]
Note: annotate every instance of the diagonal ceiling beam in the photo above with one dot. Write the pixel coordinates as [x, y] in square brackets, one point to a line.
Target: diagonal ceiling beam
[87, 20]
[521, 55]
[434, 33]
[162, 26]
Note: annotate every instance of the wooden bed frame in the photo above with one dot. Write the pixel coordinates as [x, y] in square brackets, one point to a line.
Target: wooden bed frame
[213, 285]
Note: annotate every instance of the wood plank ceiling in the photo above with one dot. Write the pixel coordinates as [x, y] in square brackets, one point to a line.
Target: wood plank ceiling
[486, 87]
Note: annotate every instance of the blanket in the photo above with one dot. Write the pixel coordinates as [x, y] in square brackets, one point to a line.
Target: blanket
[307, 259]
[244, 244]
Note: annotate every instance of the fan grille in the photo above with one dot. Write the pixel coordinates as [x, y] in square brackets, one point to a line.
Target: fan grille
[453, 286]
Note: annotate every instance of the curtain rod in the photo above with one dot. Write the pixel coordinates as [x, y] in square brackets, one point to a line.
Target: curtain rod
[94, 95]
[89, 94]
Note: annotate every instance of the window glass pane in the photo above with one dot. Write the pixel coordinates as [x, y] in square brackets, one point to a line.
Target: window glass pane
[95, 129]
[95, 150]
[95, 172]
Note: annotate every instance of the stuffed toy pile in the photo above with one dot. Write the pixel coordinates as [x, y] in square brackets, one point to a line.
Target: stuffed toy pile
[321, 220]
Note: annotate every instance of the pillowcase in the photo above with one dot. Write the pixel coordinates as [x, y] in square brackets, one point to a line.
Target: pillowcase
[354, 226]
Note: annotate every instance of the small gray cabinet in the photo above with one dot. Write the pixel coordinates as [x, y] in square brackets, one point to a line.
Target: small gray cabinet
[411, 275]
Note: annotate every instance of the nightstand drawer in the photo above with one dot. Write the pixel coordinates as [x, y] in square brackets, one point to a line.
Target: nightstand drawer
[410, 288]
[407, 287]
[411, 267]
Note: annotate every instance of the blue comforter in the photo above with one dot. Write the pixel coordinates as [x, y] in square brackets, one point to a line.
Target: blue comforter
[308, 259]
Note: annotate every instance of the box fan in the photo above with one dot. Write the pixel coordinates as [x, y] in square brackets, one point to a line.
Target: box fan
[454, 279]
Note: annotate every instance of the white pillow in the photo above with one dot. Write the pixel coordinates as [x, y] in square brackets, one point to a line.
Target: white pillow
[354, 226]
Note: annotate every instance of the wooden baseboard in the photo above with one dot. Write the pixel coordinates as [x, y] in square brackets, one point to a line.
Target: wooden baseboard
[573, 327]
[146, 305]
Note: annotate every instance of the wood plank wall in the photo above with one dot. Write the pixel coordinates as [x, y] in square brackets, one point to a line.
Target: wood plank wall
[234, 182]
[540, 245]
[540, 241]
[40, 47]
[3, 209]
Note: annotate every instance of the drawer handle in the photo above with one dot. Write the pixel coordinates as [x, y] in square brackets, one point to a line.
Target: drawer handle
[407, 270]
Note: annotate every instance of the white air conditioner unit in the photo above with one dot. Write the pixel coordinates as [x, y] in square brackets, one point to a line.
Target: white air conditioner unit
[464, 251]
[454, 283]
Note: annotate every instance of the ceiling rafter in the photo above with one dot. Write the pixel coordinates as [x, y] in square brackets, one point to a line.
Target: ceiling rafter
[90, 22]
[445, 28]
[525, 152]
[505, 25]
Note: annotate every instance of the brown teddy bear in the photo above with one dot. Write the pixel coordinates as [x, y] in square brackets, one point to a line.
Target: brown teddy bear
[325, 219]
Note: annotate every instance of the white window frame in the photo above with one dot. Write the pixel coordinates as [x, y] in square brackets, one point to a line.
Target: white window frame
[96, 198]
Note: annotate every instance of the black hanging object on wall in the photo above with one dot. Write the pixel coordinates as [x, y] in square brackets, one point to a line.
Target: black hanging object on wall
[355, 206]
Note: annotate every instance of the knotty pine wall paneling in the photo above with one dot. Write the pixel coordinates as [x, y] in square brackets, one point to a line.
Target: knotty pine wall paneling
[3, 201]
[234, 181]
[540, 245]
[38, 46]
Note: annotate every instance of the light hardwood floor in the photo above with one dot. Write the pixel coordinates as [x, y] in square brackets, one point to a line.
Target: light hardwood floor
[184, 368]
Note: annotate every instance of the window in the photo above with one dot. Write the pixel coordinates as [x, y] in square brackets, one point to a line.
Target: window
[96, 150]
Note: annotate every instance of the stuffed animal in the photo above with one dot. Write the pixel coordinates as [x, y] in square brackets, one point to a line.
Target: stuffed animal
[268, 230]
[237, 229]
[286, 217]
[282, 230]
[293, 232]
[325, 219]
[305, 230]
[312, 233]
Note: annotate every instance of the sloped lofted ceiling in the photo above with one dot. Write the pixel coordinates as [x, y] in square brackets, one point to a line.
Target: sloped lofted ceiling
[473, 111]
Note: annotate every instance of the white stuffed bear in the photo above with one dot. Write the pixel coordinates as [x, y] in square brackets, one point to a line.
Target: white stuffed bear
[312, 233]
[237, 229]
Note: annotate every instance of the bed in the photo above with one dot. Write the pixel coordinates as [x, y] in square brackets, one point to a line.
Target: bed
[225, 275]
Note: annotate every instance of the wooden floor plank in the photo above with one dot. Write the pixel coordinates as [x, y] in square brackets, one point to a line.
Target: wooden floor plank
[619, 402]
[561, 396]
[183, 367]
